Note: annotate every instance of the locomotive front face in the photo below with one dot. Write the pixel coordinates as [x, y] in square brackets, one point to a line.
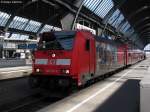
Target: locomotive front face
[54, 54]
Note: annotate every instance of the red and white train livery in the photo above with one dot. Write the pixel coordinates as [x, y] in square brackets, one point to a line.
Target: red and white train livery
[75, 57]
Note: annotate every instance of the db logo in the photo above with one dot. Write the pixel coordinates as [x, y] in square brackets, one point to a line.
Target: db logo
[52, 62]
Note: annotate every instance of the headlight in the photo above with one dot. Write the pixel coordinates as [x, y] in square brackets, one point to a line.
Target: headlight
[37, 70]
[65, 71]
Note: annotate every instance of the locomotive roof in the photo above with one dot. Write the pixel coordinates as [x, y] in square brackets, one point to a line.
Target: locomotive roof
[105, 40]
[97, 38]
[61, 32]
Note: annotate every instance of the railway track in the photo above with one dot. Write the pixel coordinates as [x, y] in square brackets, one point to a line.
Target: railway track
[38, 100]
[30, 103]
[16, 96]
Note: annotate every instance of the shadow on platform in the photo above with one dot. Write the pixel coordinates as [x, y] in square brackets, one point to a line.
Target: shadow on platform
[125, 99]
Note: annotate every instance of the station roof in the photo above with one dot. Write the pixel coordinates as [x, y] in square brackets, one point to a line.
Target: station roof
[24, 18]
[137, 12]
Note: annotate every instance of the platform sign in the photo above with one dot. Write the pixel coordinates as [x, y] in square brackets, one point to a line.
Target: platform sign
[32, 46]
[25, 46]
[22, 46]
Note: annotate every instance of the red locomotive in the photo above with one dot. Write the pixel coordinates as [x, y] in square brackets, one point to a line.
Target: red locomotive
[76, 57]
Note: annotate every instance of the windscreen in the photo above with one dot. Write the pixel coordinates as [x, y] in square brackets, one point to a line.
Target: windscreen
[57, 41]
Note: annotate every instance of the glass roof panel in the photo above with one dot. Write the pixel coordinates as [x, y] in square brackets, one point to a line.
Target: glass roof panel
[120, 19]
[57, 29]
[33, 26]
[46, 28]
[114, 16]
[99, 7]
[123, 26]
[104, 8]
[127, 27]
[87, 2]
[4, 18]
[18, 23]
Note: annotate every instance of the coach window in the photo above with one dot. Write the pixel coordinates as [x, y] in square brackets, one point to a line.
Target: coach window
[87, 45]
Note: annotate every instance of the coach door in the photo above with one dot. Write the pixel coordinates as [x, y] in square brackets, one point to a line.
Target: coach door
[125, 57]
[88, 50]
[90, 47]
[92, 56]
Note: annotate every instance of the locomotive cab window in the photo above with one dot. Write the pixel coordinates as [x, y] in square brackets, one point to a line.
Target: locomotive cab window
[57, 40]
[87, 45]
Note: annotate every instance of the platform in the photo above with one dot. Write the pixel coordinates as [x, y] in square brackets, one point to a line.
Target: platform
[118, 93]
[13, 72]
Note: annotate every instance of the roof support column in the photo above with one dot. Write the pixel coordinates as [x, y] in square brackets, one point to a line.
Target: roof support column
[8, 22]
[43, 24]
[69, 20]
